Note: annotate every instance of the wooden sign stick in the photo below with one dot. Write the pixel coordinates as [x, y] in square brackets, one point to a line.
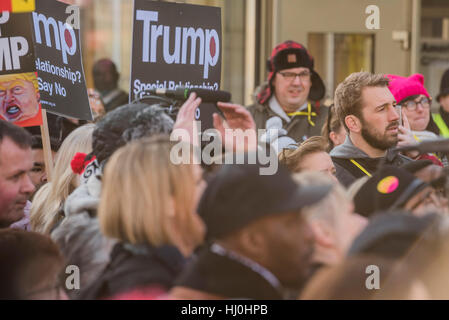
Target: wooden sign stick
[48, 157]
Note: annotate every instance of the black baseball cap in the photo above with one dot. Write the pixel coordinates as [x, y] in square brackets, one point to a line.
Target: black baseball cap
[389, 188]
[392, 234]
[238, 195]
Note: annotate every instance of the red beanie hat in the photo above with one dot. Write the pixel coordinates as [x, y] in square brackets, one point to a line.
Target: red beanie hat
[403, 87]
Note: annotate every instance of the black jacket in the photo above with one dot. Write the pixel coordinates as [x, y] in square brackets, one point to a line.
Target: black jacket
[222, 276]
[432, 126]
[348, 172]
[134, 266]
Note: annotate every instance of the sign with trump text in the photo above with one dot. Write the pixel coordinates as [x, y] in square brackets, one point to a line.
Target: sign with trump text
[175, 45]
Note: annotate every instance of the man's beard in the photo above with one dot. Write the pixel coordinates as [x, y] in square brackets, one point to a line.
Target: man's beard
[376, 140]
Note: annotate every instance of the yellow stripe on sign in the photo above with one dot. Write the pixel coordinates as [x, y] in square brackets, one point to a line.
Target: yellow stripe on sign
[23, 5]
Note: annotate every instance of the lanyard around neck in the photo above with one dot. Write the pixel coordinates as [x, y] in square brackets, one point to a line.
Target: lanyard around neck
[309, 114]
[358, 165]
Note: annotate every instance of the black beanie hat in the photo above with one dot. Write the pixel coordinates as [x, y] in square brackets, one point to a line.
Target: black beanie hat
[286, 55]
[389, 188]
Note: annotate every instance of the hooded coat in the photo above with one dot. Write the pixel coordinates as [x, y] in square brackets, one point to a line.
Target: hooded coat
[298, 127]
[348, 171]
[136, 266]
[78, 235]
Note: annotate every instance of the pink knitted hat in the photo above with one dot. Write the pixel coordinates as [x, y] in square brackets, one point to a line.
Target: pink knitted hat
[402, 87]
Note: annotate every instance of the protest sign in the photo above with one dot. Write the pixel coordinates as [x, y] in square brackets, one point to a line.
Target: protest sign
[175, 45]
[19, 94]
[59, 65]
[17, 5]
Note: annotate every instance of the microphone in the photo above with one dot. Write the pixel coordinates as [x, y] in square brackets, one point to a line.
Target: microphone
[184, 93]
[440, 145]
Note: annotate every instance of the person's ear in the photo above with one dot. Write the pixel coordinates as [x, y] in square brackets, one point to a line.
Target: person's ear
[333, 137]
[353, 123]
[324, 235]
[252, 242]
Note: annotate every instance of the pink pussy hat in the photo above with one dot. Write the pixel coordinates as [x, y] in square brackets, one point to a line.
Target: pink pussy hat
[403, 87]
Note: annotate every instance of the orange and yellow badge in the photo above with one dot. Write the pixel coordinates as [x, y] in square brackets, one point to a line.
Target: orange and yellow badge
[17, 5]
[388, 184]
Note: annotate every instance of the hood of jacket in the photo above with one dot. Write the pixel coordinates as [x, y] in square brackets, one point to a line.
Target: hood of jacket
[84, 199]
[347, 150]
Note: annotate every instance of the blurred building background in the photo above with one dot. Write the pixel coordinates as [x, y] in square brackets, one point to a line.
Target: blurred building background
[413, 37]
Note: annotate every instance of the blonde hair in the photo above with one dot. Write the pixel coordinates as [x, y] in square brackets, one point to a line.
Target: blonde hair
[146, 198]
[292, 158]
[329, 207]
[28, 76]
[50, 198]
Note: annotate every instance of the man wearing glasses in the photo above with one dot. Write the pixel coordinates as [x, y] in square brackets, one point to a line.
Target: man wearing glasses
[291, 95]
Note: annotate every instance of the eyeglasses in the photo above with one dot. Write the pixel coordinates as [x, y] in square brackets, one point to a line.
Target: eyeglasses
[290, 76]
[412, 104]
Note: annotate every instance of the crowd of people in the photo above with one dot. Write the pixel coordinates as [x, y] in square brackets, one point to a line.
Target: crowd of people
[352, 193]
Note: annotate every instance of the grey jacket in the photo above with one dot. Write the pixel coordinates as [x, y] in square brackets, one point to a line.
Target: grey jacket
[79, 237]
[298, 128]
[348, 172]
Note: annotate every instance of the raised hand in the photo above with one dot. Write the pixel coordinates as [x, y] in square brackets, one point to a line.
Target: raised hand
[237, 125]
[185, 123]
[406, 137]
